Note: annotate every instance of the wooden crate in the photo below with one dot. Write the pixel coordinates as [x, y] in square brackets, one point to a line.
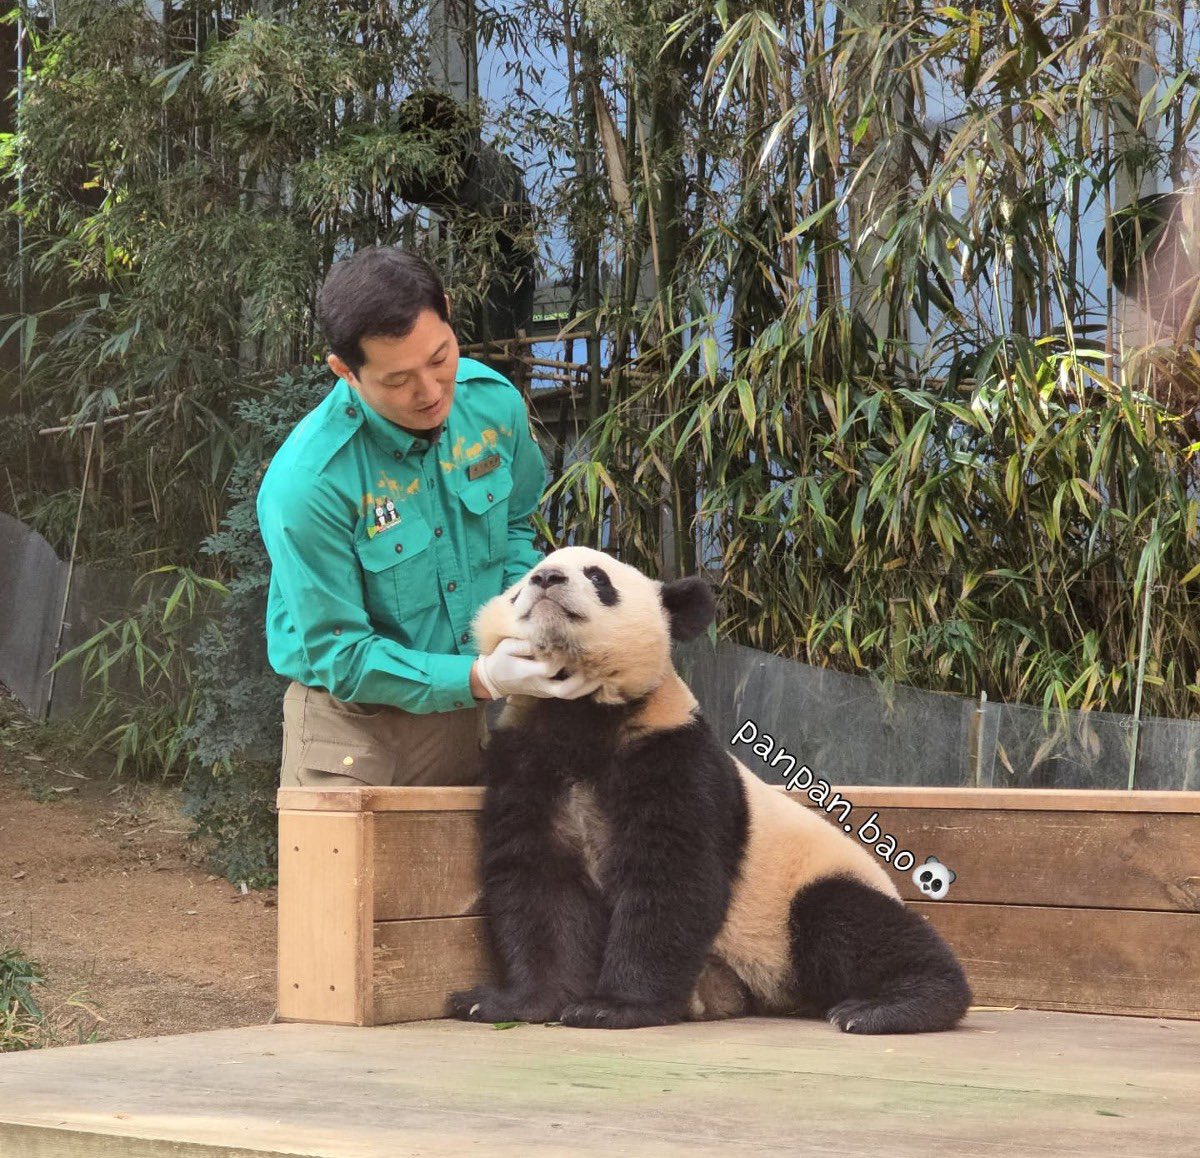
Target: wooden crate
[1068, 900]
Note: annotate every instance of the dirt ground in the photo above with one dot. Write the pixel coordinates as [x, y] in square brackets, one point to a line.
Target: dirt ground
[100, 885]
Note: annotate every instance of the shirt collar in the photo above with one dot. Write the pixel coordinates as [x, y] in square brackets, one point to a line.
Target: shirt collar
[392, 439]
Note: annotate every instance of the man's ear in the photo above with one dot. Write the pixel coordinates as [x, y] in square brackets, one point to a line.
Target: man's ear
[690, 606]
[339, 367]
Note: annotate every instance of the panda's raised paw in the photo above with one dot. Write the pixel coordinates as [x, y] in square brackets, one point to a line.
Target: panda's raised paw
[605, 1015]
[490, 1003]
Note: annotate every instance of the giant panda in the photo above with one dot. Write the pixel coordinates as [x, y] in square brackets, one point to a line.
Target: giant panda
[635, 873]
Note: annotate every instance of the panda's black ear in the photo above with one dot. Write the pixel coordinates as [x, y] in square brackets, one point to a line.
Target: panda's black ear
[690, 606]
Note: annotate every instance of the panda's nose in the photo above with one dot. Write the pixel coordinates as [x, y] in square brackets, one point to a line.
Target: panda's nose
[547, 578]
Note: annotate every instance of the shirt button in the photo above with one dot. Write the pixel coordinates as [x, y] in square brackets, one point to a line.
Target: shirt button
[437, 531]
[458, 703]
[397, 455]
[337, 631]
[351, 412]
[451, 585]
[399, 548]
[489, 496]
[464, 637]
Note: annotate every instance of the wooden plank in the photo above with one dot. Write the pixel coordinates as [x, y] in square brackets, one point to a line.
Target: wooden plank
[427, 864]
[1104, 860]
[21, 1140]
[325, 892]
[424, 799]
[1088, 960]
[373, 798]
[1035, 799]
[418, 964]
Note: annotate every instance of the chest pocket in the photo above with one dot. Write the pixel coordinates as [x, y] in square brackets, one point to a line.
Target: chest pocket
[399, 571]
[485, 516]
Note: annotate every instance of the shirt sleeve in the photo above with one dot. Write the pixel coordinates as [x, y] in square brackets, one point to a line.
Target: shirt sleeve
[318, 579]
[529, 484]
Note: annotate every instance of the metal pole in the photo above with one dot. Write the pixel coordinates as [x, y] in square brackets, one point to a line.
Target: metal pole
[62, 617]
[1137, 695]
[22, 353]
[980, 719]
[453, 54]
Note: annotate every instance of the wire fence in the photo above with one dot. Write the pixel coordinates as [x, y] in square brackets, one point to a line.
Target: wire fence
[778, 715]
[35, 627]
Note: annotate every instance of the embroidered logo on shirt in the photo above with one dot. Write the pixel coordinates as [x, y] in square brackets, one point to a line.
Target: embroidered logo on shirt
[482, 467]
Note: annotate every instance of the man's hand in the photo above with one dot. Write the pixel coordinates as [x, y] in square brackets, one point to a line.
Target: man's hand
[511, 670]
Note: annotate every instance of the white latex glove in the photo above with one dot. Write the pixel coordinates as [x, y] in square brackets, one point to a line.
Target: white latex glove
[510, 670]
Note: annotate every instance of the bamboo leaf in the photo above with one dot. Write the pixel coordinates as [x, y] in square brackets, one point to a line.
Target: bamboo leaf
[746, 398]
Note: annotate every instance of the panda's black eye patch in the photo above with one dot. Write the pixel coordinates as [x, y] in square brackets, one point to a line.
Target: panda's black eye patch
[606, 592]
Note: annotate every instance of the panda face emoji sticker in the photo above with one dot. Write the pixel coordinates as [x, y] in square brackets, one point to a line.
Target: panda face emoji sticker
[933, 878]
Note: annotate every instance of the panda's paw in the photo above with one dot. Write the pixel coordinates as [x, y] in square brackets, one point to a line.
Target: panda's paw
[608, 1015]
[854, 1015]
[491, 1003]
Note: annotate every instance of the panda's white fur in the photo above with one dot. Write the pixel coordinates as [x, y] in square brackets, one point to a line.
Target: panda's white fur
[622, 635]
[630, 650]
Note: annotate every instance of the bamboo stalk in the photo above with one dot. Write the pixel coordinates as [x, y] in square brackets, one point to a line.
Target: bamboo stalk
[506, 343]
[109, 421]
[140, 400]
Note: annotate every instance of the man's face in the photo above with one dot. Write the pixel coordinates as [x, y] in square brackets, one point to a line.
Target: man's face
[409, 380]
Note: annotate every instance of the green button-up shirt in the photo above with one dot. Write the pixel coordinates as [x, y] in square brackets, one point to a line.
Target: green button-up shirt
[383, 545]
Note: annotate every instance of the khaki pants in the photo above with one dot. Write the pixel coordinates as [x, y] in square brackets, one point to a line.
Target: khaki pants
[328, 743]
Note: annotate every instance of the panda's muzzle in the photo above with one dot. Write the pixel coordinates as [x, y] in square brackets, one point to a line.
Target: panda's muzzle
[544, 581]
[547, 577]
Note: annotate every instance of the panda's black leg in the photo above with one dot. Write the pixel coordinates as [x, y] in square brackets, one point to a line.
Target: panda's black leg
[546, 927]
[545, 917]
[669, 892]
[871, 964]
[656, 947]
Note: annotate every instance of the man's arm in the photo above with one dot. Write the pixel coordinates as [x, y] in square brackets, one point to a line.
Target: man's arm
[529, 484]
[309, 535]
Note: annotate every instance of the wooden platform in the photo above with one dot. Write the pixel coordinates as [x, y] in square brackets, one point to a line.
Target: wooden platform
[1021, 1083]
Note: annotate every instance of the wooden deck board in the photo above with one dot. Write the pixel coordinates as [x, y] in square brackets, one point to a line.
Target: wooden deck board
[1020, 1083]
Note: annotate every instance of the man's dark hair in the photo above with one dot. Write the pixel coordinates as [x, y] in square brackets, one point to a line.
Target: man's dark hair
[377, 293]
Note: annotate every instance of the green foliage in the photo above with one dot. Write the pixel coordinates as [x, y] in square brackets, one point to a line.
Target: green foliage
[233, 807]
[25, 1022]
[900, 454]
[185, 188]
[20, 1015]
[139, 670]
[235, 732]
[18, 976]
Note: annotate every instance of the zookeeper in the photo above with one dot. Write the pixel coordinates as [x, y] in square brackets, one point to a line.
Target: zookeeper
[392, 512]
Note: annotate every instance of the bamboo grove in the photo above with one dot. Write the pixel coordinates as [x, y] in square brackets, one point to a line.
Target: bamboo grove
[885, 340]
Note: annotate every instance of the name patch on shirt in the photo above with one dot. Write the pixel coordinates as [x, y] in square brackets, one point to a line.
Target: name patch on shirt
[482, 467]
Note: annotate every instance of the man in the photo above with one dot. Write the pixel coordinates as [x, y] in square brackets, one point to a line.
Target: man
[394, 510]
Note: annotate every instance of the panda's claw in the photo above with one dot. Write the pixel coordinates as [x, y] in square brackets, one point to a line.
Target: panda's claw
[607, 1015]
[849, 1017]
[490, 1003]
